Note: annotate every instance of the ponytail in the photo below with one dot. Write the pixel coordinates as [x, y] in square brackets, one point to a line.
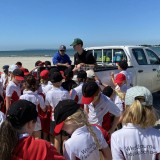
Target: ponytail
[8, 140]
[139, 114]
[80, 119]
[120, 94]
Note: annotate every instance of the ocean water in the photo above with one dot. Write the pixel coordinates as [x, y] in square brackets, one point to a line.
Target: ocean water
[33, 53]
[44, 53]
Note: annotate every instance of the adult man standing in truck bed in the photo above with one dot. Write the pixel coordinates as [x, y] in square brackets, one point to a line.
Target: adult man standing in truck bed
[82, 58]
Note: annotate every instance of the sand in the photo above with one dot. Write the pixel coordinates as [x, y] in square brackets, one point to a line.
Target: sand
[27, 62]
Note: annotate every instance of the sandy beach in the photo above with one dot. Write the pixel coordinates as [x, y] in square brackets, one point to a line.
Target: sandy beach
[28, 62]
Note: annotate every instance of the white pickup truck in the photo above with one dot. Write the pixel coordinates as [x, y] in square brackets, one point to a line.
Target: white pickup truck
[144, 64]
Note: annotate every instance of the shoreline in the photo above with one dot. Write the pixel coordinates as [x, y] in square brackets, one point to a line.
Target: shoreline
[27, 62]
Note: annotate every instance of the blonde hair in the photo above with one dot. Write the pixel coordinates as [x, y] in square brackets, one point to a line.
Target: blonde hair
[138, 114]
[80, 119]
[120, 94]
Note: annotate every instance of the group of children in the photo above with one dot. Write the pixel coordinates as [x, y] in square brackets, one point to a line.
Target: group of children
[80, 118]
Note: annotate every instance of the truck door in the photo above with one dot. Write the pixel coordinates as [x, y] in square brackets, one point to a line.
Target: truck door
[142, 69]
[155, 64]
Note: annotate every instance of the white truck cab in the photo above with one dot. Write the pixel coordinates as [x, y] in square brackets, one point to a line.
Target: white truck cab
[143, 62]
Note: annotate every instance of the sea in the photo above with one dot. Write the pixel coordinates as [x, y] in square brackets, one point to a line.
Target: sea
[45, 52]
[34, 53]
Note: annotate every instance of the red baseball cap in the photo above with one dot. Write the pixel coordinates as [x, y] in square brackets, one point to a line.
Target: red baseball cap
[58, 128]
[44, 74]
[120, 78]
[19, 75]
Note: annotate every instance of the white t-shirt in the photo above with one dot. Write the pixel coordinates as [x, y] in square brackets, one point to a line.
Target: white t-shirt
[134, 143]
[55, 95]
[96, 114]
[37, 100]
[82, 145]
[13, 88]
[117, 100]
[78, 90]
[2, 117]
[46, 87]
[33, 97]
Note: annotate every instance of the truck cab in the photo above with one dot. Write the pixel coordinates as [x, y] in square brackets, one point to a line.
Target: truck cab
[143, 62]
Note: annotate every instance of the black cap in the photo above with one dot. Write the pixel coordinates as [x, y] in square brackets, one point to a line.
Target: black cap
[88, 91]
[21, 112]
[19, 74]
[81, 74]
[64, 109]
[56, 77]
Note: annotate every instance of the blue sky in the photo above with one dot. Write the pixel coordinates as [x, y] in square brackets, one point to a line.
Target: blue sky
[31, 24]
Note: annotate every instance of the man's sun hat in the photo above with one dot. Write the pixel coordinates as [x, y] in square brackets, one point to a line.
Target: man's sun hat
[62, 111]
[88, 90]
[138, 91]
[76, 42]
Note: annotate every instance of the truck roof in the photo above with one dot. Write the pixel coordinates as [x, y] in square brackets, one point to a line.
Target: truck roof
[126, 46]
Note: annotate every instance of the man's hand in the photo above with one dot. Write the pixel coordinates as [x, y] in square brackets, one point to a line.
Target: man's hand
[67, 65]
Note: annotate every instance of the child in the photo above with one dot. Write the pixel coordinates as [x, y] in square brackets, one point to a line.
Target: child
[46, 86]
[86, 142]
[108, 118]
[120, 91]
[13, 90]
[122, 66]
[69, 84]
[53, 96]
[97, 105]
[81, 77]
[30, 94]
[45, 83]
[15, 135]
[137, 139]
